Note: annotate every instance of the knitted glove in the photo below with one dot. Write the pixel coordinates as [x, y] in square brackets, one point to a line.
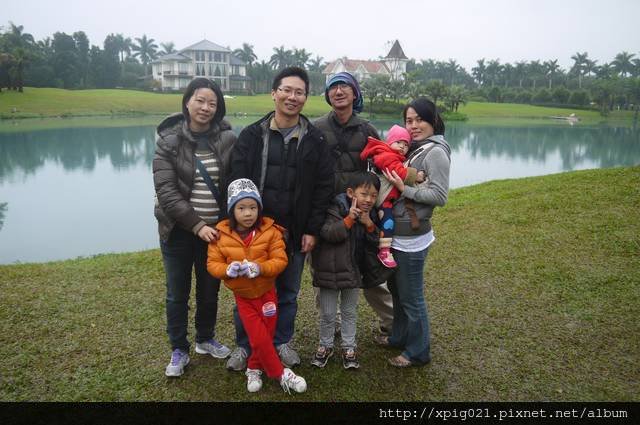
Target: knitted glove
[233, 269]
[244, 268]
[253, 270]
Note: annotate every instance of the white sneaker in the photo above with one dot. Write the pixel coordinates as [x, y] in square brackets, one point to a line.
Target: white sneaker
[254, 381]
[291, 381]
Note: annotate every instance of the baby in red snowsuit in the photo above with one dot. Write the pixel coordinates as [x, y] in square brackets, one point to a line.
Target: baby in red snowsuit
[390, 155]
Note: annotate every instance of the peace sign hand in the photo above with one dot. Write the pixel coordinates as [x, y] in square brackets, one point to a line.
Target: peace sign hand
[354, 211]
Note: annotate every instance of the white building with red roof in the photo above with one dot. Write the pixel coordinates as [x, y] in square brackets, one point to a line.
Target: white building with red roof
[393, 65]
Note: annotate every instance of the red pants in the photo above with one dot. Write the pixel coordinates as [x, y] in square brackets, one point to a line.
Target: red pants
[259, 317]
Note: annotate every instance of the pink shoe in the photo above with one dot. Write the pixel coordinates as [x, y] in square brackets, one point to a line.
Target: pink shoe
[386, 258]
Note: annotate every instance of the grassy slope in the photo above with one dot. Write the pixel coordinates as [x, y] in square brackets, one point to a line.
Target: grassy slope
[533, 287]
[37, 102]
[49, 102]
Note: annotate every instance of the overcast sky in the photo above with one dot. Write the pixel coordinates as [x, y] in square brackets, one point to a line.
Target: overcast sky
[465, 30]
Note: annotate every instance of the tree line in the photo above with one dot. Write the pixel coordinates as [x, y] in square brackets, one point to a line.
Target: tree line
[70, 61]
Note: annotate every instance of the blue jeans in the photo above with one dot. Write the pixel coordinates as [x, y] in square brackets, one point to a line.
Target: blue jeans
[287, 288]
[410, 318]
[180, 254]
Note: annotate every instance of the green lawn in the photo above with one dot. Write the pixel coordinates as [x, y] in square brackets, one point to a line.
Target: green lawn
[491, 112]
[49, 102]
[533, 287]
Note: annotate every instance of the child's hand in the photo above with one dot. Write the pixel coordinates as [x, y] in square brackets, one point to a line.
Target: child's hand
[365, 219]
[244, 268]
[233, 269]
[420, 177]
[253, 270]
[354, 211]
[394, 179]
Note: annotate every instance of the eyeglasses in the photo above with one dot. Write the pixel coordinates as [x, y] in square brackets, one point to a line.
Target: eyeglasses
[288, 91]
[341, 86]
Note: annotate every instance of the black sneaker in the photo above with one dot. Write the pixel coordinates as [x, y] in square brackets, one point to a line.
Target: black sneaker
[322, 355]
[350, 359]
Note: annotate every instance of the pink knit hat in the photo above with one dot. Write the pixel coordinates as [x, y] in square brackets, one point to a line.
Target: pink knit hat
[397, 133]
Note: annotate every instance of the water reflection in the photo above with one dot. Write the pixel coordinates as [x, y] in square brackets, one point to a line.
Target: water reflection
[3, 211]
[92, 187]
[22, 154]
[602, 146]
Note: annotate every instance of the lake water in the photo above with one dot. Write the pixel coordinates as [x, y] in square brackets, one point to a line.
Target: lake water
[73, 192]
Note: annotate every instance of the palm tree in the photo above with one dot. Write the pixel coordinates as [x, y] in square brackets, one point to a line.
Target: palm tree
[16, 72]
[374, 88]
[145, 50]
[123, 45]
[246, 54]
[452, 68]
[6, 62]
[551, 69]
[261, 74]
[300, 57]
[508, 71]
[18, 38]
[436, 90]
[535, 70]
[622, 63]
[316, 64]
[281, 58]
[167, 48]
[493, 71]
[604, 71]
[519, 71]
[479, 71]
[19, 47]
[455, 96]
[590, 66]
[636, 69]
[578, 68]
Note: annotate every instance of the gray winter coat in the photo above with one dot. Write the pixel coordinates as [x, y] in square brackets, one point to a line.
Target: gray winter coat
[435, 161]
[174, 171]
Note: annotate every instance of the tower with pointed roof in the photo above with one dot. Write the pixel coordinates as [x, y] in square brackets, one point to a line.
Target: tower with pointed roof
[396, 61]
[394, 65]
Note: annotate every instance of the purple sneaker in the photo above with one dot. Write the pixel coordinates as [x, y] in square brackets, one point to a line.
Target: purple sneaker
[179, 359]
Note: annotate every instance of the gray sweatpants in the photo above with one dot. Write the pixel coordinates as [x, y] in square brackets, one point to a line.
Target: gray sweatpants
[379, 298]
[328, 307]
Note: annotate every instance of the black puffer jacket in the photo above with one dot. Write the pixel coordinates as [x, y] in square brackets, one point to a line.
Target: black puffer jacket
[334, 258]
[314, 173]
[345, 143]
[174, 171]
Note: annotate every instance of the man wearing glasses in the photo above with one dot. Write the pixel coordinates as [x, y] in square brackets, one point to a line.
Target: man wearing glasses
[289, 161]
[346, 134]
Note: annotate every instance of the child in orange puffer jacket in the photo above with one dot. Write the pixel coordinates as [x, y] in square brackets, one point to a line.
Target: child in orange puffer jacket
[248, 255]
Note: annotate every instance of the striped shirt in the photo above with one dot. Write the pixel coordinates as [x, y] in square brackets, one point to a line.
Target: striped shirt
[202, 199]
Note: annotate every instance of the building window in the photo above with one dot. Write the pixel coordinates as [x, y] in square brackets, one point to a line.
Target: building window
[200, 69]
[222, 82]
[216, 70]
[217, 57]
